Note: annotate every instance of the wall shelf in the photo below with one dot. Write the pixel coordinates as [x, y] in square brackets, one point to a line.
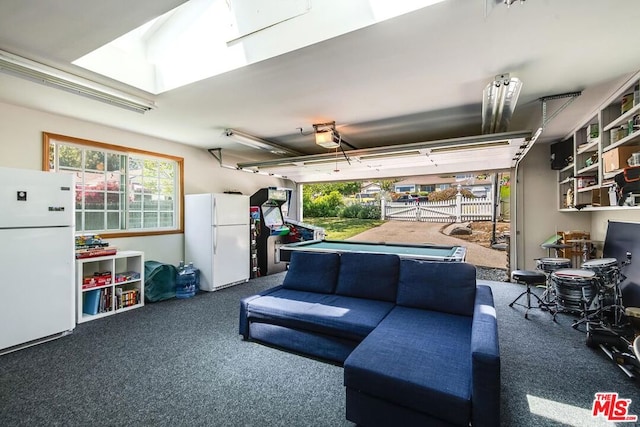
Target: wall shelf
[627, 140]
[589, 147]
[583, 171]
[623, 119]
[109, 285]
[591, 140]
[589, 188]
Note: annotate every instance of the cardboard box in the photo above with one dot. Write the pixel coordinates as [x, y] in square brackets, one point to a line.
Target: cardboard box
[617, 158]
[601, 197]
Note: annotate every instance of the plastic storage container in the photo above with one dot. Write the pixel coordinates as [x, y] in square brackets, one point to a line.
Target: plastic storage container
[185, 281]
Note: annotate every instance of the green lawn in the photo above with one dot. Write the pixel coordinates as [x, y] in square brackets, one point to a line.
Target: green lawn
[343, 228]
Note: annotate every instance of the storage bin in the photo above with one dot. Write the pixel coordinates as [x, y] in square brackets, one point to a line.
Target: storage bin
[617, 158]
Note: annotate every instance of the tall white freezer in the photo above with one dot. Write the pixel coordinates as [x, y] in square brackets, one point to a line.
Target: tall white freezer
[216, 238]
[37, 226]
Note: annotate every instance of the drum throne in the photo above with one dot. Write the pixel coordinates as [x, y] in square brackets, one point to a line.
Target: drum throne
[529, 278]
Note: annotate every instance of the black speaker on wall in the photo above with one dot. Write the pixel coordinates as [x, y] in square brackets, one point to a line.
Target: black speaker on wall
[561, 154]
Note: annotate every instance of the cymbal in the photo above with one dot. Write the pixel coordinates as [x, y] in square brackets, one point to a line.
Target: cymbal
[555, 246]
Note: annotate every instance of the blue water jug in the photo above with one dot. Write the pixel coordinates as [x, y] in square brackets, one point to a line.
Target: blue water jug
[196, 273]
[185, 281]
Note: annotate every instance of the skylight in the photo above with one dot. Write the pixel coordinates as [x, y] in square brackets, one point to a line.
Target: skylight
[204, 38]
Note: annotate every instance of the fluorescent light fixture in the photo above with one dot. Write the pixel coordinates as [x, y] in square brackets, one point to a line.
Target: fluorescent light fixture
[260, 144]
[43, 74]
[498, 103]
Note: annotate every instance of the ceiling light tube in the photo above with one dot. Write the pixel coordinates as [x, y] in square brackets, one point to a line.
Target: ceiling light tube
[260, 144]
[499, 102]
[30, 70]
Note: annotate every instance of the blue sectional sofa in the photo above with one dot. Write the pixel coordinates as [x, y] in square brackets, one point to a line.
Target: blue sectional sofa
[418, 340]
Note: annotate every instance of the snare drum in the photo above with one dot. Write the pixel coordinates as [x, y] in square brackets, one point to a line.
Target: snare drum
[576, 290]
[606, 269]
[549, 265]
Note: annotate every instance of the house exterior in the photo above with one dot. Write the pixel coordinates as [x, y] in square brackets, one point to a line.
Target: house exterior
[479, 186]
[371, 188]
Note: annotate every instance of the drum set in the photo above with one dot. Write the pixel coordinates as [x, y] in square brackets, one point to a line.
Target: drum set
[593, 293]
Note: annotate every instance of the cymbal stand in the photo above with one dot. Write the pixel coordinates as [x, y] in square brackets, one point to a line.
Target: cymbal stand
[617, 306]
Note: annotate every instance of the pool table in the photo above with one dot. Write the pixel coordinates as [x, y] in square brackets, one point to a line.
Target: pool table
[421, 252]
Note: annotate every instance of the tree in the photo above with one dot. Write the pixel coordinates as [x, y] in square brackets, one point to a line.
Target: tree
[388, 184]
[344, 188]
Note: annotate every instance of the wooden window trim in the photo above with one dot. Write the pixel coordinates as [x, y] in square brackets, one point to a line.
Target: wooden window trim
[47, 137]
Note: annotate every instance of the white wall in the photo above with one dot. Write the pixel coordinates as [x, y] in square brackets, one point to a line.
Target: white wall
[537, 215]
[21, 147]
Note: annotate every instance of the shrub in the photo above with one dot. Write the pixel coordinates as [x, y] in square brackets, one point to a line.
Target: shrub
[369, 212]
[328, 205]
[448, 194]
[361, 211]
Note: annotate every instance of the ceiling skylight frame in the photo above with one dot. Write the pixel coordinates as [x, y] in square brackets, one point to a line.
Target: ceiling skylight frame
[40, 73]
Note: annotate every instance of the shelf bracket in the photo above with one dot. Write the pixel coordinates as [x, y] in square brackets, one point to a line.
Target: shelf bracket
[572, 97]
[216, 153]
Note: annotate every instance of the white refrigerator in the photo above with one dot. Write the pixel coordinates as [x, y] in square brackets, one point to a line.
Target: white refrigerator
[37, 258]
[216, 238]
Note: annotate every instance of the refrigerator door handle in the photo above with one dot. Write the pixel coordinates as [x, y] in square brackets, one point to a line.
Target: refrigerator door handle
[215, 240]
[215, 212]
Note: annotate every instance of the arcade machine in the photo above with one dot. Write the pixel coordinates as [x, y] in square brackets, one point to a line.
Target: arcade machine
[270, 229]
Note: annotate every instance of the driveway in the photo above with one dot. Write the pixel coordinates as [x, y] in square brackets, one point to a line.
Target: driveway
[426, 232]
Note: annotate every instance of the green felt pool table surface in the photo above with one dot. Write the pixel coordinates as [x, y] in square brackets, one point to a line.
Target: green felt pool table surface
[428, 252]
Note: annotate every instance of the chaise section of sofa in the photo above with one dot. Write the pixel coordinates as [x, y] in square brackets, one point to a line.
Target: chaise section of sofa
[434, 360]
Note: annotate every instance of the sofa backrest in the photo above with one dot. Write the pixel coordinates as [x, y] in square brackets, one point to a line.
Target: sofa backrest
[312, 271]
[449, 287]
[366, 275]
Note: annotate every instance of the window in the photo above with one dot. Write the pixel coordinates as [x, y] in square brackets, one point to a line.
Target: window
[404, 188]
[120, 191]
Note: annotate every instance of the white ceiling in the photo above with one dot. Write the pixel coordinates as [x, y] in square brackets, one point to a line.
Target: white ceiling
[418, 77]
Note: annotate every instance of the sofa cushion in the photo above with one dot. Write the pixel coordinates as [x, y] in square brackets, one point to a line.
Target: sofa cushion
[449, 287]
[365, 275]
[312, 271]
[418, 359]
[341, 316]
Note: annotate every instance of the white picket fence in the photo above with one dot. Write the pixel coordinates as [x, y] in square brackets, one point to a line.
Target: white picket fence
[460, 209]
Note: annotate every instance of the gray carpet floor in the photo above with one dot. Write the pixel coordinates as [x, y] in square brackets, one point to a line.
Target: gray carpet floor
[182, 363]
